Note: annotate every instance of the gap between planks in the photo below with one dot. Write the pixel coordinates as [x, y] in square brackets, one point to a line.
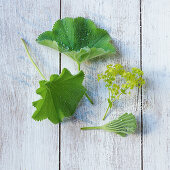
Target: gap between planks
[60, 123]
[141, 107]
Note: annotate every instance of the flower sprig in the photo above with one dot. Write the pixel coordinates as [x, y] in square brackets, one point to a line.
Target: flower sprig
[128, 79]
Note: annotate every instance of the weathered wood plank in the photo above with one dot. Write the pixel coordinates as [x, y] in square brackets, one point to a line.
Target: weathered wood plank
[24, 143]
[156, 102]
[98, 150]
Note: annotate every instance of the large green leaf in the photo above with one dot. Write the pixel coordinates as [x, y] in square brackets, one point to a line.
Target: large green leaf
[78, 38]
[60, 96]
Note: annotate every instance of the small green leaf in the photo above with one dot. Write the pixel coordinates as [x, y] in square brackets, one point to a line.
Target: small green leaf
[126, 124]
[60, 96]
[78, 38]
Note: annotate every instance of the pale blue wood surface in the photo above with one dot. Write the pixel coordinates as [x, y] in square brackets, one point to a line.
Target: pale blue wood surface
[142, 40]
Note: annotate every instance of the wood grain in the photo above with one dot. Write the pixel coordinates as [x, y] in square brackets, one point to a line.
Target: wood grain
[156, 101]
[98, 150]
[24, 143]
[29, 145]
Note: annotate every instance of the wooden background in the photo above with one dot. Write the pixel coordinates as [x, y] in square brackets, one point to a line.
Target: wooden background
[141, 32]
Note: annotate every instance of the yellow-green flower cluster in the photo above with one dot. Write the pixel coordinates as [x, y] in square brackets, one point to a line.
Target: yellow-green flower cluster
[119, 81]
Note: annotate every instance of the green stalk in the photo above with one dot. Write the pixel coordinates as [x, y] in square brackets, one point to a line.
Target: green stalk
[29, 56]
[90, 100]
[116, 130]
[78, 66]
[106, 113]
[107, 108]
[91, 128]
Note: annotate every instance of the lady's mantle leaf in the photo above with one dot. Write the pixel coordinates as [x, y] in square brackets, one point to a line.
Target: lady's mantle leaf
[78, 38]
[125, 124]
[60, 96]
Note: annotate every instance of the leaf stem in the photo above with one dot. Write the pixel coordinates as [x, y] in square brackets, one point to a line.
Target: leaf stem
[107, 108]
[25, 46]
[78, 66]
[90, 100]
[106, 113]
[91, 128]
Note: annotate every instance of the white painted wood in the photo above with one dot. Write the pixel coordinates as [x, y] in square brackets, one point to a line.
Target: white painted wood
[24, 143]
[99, 150]
[156, 95]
